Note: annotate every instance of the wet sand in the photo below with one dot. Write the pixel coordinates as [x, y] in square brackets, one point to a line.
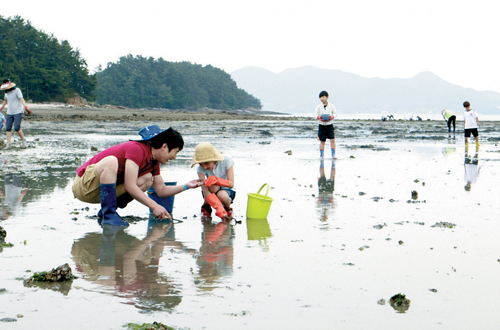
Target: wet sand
[320, 260]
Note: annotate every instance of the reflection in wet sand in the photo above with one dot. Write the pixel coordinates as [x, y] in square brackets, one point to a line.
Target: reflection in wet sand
[14, 194]
[326, 187]
[215, 260]
[471, 168]
[121, 261]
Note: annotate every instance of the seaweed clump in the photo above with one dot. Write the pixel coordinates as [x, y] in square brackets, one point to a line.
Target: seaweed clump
[148, 326]
[400, 303]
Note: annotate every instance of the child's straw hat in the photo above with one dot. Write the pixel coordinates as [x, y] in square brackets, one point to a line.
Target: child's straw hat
[205, 152]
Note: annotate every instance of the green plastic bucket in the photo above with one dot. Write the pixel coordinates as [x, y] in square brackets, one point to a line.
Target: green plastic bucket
[258, 205]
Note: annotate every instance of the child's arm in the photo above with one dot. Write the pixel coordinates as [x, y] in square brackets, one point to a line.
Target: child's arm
[3, 104]
[229, 182]
[334, 112]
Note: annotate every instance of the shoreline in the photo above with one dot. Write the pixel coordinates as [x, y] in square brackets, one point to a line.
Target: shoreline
[63, 112]
[58, 112]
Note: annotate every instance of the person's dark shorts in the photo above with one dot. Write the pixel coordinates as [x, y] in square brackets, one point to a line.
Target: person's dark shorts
[468, 131]
[326, 132]
[13, 120]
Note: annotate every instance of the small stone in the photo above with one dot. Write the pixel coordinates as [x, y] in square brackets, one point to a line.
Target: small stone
[20, 316]
[381, 302]
[8, 319]
[288, 152]
[93, 148]
[401, 242]
[414, 195]
[433, 290]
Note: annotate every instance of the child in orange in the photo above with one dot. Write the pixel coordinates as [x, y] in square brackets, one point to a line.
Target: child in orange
[219, 173]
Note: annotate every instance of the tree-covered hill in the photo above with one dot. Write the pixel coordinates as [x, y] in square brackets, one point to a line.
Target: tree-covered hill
[44, 68]
[140, 82]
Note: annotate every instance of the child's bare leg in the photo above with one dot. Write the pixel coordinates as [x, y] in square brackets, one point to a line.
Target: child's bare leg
[322, 145]
[224, 198]
[332, 144]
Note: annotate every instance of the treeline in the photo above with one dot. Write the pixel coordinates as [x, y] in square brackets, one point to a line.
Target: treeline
[44, 68]
[140, 82]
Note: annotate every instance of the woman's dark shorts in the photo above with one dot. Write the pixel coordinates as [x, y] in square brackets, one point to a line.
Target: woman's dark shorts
[13, 120]
[468, 132]
[326, 132]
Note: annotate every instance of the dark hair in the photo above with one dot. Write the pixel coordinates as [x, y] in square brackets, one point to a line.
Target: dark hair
[5, 81]
[466, 104]
[171, 137]
[323, 93]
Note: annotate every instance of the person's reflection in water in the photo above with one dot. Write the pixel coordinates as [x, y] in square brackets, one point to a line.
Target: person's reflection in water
[14, 194]
[130, 265]
[216, 254]
[471, 166]
[450, 148]
[325, 188]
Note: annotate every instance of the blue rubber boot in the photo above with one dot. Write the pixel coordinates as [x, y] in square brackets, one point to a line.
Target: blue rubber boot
[108, 206]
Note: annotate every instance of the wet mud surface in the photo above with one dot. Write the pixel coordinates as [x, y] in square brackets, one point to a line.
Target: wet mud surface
[403, 209]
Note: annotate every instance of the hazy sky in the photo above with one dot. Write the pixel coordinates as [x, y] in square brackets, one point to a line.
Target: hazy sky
[455, 39]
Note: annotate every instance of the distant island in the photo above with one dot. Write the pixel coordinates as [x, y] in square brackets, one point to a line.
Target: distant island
[296, 91]
[49, 70]
[140, 82]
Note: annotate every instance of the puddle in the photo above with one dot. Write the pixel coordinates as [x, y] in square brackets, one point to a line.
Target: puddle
[340, 235]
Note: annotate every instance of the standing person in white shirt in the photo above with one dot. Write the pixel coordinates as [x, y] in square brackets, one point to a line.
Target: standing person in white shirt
[471, 124]
[14, 98]
[325, 113]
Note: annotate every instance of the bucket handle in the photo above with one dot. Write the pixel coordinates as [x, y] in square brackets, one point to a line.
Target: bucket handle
[265, 184]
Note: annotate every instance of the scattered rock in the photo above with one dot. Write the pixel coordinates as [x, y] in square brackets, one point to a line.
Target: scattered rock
[400, 303]
[61, 273]
[361, 193]
[3, 234]
[381, 302]
[380, 226]
[414, 195]
[444, 225]
[376, 199]
[433, 290]
[288, 152]
[93, 148]
[401, 242]
[8, 319]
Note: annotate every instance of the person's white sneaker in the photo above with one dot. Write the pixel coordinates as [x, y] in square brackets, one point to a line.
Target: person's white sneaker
[24, 143]
[8, 146]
